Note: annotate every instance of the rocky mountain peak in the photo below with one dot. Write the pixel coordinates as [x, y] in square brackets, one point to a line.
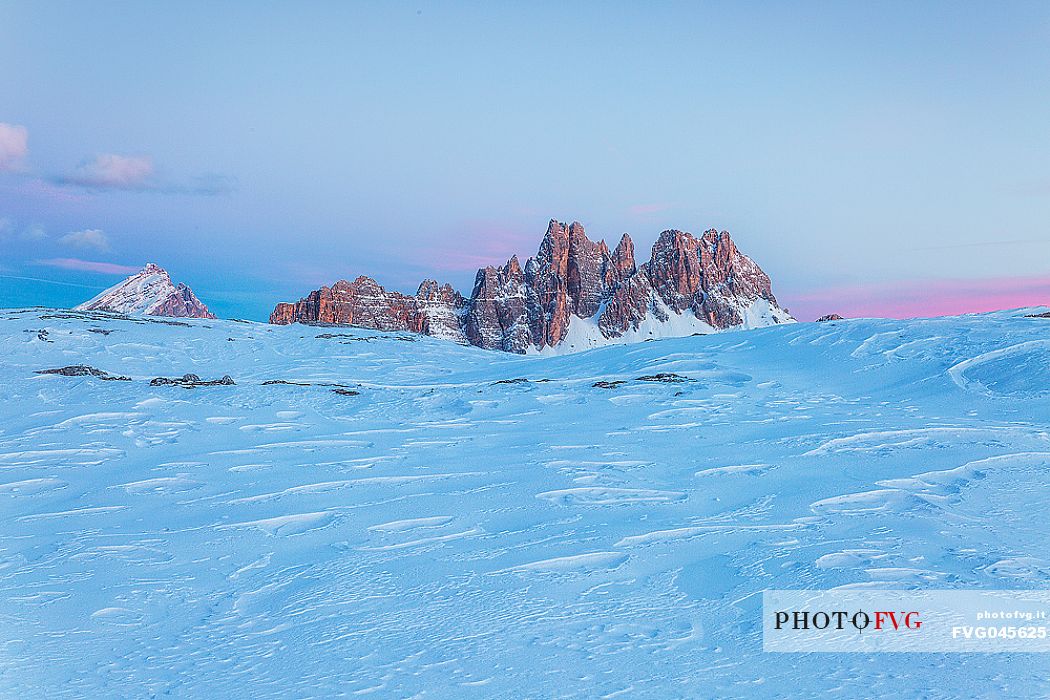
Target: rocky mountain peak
[149, 292]
[513, 267]
[624, 253]
[434, 291]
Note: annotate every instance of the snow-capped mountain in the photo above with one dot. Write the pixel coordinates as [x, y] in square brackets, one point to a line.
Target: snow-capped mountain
[574, 294]
[149, 292]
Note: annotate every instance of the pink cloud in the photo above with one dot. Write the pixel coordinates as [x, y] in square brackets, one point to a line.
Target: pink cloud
[480, 244]
[919, 299]
[88, 266]
[14, 146]
[111, 171]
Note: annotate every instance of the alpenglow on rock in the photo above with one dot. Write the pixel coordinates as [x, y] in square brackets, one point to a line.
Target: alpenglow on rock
[573, 295]
[435, 310]
[149, 292]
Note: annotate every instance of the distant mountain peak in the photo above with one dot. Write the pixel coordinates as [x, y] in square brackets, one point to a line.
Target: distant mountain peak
[149, 292]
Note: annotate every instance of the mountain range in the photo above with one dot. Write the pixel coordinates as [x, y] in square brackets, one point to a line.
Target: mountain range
[573, 294]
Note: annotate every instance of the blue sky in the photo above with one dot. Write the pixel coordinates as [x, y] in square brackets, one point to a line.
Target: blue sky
[877, 158]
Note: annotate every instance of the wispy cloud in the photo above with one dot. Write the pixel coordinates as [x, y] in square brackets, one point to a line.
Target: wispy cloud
[109, 172]
[50, 191]
[88, 238]
[46, 281]
[208, 185]
[14, 146]
[35, 232]
[10, 230]
[112, 172]
[102, 173]
[981, 244]
[105, 268]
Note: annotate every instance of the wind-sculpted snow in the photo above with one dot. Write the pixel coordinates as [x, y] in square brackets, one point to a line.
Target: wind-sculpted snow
[475, 524]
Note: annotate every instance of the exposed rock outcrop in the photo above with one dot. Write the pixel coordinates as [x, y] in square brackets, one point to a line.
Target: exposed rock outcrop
[84, 371]
[189, 381]
[574, 291]
[829, 317]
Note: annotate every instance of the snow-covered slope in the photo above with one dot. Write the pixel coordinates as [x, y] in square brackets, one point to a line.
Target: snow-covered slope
[664, 322]
[455, 531]
[149, 292]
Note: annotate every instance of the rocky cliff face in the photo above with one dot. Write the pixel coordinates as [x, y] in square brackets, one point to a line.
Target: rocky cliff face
[434, 310]
[573, 294]
[498, 313]
[149, 292]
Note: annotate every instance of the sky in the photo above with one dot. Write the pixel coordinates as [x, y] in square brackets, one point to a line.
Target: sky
[876, 159]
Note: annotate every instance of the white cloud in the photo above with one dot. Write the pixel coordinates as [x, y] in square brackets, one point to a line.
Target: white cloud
[110, 171]
[88, 238]
[14, 145]
[35, 232]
